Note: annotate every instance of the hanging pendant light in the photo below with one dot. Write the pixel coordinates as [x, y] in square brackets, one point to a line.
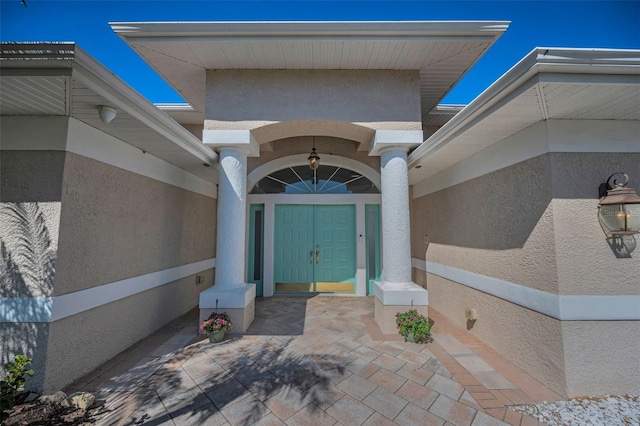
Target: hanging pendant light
[314, 158]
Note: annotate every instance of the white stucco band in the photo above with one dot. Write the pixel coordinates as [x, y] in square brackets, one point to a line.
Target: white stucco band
[403, 294]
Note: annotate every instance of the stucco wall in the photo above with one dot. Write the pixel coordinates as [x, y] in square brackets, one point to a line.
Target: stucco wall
[30, 192]
[326, 146]
[248, 99]
[586, 263]
[499, 225]
[80, 343]
[535, 224]
[117, 224]
[602, 356]
[530, 339]
[100, 224]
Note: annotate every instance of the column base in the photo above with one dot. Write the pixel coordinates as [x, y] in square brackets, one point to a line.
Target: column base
[392, 298]
[239, 302]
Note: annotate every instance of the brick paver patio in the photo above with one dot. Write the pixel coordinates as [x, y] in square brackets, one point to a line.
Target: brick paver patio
[311, 361]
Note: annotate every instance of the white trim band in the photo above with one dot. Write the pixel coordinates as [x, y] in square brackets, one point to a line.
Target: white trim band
[561, 307]
[541, 138]
[49, 309]
[28, 133]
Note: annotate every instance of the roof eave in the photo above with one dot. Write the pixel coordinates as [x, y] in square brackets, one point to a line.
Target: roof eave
[310, 29]
[540, 60]
[109, 86]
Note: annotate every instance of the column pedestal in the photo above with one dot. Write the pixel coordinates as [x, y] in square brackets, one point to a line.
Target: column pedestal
[238, 302]
[392, 298]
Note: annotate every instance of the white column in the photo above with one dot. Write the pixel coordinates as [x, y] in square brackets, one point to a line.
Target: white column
[396, 292]
[232, 217]
[396, 236]
[230, 292]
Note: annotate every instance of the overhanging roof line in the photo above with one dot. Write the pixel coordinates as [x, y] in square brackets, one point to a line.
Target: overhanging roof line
[302, 29]
[104, 82]
[539, 60]
[180, 49]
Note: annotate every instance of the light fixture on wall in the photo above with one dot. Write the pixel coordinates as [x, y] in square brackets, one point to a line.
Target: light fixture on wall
[107, 114]
[314, 159]
[619, 207]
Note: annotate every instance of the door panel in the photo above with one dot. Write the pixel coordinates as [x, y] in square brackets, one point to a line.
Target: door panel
[336, 242]
[314, 245]
[293, 240]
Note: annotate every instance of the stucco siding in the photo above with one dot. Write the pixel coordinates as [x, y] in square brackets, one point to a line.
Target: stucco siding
[534, 224]
[28, 339]
[499, 225]
[80, 343]
[30, 193]
[531, 340]
[602, 355]
[586, 262]
[97, 224]
[117, 224]
[248, 99]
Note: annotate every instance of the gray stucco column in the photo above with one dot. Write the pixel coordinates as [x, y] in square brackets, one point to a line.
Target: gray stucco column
[230, 292]
[396, 292]
[396, 237]
[232, 212]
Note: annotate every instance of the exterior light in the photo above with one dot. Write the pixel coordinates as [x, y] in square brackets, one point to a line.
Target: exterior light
[619, 207]
[314, 159]
[106, 113]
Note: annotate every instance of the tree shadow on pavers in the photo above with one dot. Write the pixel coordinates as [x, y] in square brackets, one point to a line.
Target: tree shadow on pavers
[255, 376]
[126, 393]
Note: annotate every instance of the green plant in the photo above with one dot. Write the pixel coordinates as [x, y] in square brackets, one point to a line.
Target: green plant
[14, 380]
[216, 322]
[413, 326]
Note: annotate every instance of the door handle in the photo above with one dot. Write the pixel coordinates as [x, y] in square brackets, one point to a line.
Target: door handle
[310, 257]
[317, 256]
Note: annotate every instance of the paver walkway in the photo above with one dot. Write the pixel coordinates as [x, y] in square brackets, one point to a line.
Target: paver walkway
[311, 361]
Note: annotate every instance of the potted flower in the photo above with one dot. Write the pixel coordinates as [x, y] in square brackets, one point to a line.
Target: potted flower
[216, 325]
[415, 327]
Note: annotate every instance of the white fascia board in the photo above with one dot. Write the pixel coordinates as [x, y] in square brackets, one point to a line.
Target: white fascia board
[379, 30]
[106, 84]
[537, 62]
[183, 107]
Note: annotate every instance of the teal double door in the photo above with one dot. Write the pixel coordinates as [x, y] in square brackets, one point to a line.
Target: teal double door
[314, 249]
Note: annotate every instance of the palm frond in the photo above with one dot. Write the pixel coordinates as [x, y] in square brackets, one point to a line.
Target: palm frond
[11, 279]
[31, 244]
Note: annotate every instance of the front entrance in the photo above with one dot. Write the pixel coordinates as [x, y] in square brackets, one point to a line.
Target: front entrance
[314, 249]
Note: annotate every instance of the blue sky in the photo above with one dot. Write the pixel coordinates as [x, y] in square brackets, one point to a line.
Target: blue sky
[591, 24]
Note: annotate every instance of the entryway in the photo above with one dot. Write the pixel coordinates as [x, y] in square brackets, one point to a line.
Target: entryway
[314, 249]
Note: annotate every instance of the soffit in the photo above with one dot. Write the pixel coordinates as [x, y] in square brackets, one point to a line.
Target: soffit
[580, 91]
[35, 85]
[181, 52]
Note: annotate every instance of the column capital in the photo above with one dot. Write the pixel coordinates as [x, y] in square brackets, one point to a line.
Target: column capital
[241, 140]
[402, 140]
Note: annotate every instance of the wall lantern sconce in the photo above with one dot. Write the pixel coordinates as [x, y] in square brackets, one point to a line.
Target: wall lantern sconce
[106, 113]
[314, 159]
[619, 207]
